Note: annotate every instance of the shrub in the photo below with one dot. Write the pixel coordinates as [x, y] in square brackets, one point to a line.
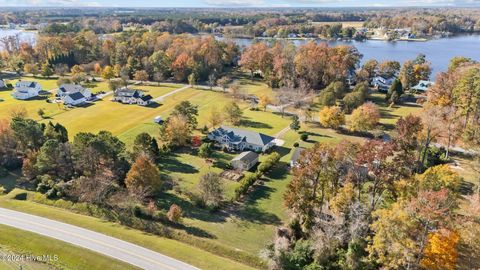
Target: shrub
[269, 162]
[296, 144]
[304, 136]
[175, 213]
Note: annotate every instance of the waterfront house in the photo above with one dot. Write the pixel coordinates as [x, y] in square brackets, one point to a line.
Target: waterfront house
[26, 90]
[239, 139]
[382, 83]
[245, 161]
[422, 86]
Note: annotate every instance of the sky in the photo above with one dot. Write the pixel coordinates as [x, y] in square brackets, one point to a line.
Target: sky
[237, 3]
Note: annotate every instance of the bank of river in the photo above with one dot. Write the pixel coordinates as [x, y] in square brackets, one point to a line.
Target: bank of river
[438, 51]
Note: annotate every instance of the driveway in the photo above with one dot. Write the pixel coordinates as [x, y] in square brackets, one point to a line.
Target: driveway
[106, 245]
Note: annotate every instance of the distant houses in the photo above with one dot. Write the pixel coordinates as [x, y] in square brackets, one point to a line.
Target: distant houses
[73, 94]
[382, 83]
[245, 161]
[422, 86]
[26, 89]
[236, 139]
[132, 96]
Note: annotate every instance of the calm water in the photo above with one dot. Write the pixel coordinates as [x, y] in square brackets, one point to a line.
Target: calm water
[438, 51]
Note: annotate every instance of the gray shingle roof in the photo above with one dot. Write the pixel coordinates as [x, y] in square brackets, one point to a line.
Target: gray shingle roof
[237, 135]
[125, 92]
[71, 88]
[246, 156]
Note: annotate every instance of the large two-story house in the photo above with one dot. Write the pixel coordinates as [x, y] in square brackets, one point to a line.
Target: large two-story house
[132, 96]
[68, 89]
[382, 83]
[240, 140]
[26, 90]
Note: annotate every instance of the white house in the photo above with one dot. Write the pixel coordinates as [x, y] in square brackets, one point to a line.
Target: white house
[239, 140]
[132, 96]
[74, 99]
[422, 86]
[26, 89]
[382, 83]
[67, 89]
[245, 161]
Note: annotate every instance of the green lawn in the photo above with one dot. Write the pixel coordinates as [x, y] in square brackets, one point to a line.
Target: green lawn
[172, 248]
[69, 256]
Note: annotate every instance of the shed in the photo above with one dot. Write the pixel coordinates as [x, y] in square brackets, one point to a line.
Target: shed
[245, 161]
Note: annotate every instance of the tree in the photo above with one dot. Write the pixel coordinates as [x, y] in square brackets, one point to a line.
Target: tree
[31, 69]
[215, 117]
[141, 75]
[188, 111]
[295, 125]
[175, 213]
[192, 79]
[441, 251]
[233, 113]
[439, 177]
[395, 91]
[56, 132]
[47, 70]
[41, 113]
[97, 69]
[332, 117]
[76, 69]
[176, 131]
[212, 80]
[223, 82]
[263, 102]
[63, 80]
[108, 73]
[389, 68]
[205, 150]
[54, 158]
[144, 177]
[211, 190]
[29, 133]
[147, 145]
[365, 117]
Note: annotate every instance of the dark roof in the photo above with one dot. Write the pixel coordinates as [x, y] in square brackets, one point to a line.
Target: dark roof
[296, 154]
[246, 156]
[237, 135]
[28, 84]
[146, 98]
[76, 96]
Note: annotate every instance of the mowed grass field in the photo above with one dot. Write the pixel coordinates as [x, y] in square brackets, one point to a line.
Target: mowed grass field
[69, 257]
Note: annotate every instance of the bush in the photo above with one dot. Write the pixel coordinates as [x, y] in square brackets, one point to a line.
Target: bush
[245, 184]
[269, 162]
[304, 136]
[296, 144]
[175, 213]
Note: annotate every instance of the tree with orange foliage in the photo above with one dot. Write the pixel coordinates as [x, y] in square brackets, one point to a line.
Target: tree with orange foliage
[144, 177]
[441, 251]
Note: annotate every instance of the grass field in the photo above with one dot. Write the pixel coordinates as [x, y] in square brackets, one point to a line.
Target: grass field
[69, 257]
[172, 248]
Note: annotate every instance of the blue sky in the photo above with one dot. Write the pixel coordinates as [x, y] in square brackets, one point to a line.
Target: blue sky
[238, 3]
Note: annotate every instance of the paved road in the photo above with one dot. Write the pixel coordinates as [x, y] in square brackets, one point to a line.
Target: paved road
[160, 98]
[109, 246]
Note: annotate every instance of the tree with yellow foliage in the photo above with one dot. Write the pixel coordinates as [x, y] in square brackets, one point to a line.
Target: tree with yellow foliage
[441, 251]
[264, 100]
[144, 177]
[332, 117]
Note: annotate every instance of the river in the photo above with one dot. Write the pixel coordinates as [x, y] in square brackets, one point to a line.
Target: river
[438, 51]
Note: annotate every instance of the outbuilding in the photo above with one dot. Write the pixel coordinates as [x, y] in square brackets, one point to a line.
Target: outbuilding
[245, 161]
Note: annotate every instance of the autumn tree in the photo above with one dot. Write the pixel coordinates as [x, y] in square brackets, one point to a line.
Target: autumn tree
[187, 110]
[176, 131]
[365, 117]
[233, 113]
[175, 213]
[263, 102]
[108, 73]
[332, 117]
[257, 57]
[144, 177]
[211, 190]
[141, 75]
[441, 251]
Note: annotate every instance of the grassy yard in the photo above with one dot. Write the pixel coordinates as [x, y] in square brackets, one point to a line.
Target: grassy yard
[172, 248]
[69, 257]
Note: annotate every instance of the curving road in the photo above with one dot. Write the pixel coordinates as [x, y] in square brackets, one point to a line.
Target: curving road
[106, 245]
